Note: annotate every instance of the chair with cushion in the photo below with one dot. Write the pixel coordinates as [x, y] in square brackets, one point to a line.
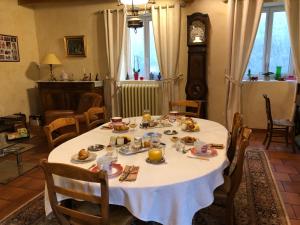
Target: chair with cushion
[278, 128]
[234, 134]
[88, 208]
[61, 130]
[194, 105]
[87, 100]
[224, 195]
[94, 117]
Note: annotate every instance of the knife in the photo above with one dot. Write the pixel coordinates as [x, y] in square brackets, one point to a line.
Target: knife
[198, 157]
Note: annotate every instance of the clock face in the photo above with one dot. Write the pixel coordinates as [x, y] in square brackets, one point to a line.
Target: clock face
[197, 32]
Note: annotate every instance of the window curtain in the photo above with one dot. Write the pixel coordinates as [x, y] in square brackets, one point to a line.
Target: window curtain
[244, 16]
[115, 26]
[166, 29]
[292, 8]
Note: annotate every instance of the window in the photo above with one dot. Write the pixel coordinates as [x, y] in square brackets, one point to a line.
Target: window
[272, 44]
[141, 51]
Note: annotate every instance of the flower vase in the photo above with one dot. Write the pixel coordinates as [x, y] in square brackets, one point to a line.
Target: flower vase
[136, 75]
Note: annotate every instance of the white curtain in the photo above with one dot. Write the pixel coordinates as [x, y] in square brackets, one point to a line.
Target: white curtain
[292, 8]
[244, 16]
[115, 25]
[166, 28]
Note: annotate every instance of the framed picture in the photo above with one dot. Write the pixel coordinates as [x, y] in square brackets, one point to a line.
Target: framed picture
[75, 46]
[9, 48]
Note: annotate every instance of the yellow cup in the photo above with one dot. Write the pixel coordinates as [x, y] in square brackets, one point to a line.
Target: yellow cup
[155, 154]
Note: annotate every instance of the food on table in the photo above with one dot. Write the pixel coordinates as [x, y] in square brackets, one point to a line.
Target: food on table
[147, 117]
[174, 139]
[190, 125]
[188, 139]
[120, 127]
[83, 154]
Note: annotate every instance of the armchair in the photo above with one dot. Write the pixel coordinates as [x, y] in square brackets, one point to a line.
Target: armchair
[87, 100]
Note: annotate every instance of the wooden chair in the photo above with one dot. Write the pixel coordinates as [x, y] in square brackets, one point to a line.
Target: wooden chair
[278, 128]
[91, 209]
[234, 134]
[86, 101]
[195, 105]
[94, 117]
[224, 195]
[61, 130]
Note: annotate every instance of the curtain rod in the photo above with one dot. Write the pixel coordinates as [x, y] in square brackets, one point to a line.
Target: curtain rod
[143, 9]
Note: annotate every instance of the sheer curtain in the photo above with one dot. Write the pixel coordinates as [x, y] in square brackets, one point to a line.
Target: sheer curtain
[115, 25]
[166, 27]
[244, 16]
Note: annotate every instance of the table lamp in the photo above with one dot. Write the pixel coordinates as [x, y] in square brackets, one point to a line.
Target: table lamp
[51, 60]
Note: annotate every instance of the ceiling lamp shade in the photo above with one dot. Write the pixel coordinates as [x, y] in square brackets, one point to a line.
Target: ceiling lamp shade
[134, 22]
[51, 59]
[134, 2]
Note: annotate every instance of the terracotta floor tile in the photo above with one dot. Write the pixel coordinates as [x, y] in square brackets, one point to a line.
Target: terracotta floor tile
[276, 161]
[281, 176]
[290, 211]
[295, 177]
[285, 169]
[16, 194]
[28, 183]
[291, 198]
[295, 222]
[280, 186]
[296, 211]
[292, 187]
[36, 173]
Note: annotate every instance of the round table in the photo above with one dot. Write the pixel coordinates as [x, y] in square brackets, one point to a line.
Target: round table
[169, 193]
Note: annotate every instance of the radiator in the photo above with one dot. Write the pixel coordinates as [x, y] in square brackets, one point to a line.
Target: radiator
[135, 98]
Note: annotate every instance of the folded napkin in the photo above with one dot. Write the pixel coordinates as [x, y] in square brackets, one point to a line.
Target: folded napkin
[130, 173]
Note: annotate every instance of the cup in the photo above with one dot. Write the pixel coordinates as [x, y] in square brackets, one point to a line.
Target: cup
[198, 146]
[116, 119]
[104, 163]
[120, 141]
[156, 154]
[112, 152]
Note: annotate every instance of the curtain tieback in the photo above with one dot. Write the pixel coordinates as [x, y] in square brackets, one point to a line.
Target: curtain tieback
[233, 81]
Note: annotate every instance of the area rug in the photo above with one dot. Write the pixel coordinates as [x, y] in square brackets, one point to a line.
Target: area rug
[257, 201]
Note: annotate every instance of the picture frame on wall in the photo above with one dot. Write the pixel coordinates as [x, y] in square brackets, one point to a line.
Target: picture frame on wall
[9, 48]
[75, 46]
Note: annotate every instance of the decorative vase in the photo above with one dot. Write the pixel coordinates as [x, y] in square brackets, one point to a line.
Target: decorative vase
[136, 75]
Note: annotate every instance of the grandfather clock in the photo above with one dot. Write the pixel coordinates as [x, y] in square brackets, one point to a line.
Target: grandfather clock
[197, 40]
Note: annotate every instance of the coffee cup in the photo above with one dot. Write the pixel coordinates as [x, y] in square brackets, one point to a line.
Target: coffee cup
[116, 119]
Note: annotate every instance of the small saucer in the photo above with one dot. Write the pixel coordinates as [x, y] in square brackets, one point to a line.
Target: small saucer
[155, 161]
[95, 148]
[170, 132]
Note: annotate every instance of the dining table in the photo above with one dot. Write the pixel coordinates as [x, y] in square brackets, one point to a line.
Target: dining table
[169, 193]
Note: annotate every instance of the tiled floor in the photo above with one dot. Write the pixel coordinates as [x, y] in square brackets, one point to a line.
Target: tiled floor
[284, 163]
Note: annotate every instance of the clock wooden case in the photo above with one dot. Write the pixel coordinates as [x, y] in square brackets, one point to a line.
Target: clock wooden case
[197, 41]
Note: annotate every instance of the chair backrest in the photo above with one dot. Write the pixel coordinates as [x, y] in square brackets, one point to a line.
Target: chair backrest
[68, 171]
[195, 105]
[236, 175]
[235, 131]
[88, 100]
[61, 130]
[94, 117]
[268, 109]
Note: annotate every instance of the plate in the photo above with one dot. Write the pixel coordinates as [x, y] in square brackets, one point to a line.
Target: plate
[121, 131]
[210, 151]
[170, 132]
[96, 147]
[116, 170]
[152, 134]
[188, 130]
[91, 157]
[128, 151]
[155, 161]
[186, 140]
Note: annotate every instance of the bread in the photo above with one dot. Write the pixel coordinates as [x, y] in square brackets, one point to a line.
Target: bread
[83, 154]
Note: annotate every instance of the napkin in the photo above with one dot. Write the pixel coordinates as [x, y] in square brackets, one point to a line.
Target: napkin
[130, 173]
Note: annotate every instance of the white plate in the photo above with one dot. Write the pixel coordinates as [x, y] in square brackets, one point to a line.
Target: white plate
[91, 157]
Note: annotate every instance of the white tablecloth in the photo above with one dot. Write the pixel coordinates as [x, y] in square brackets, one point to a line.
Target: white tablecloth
[169, 193]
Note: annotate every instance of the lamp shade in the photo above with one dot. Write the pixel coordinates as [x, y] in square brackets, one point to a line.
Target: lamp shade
[51, 59]
[134, 2]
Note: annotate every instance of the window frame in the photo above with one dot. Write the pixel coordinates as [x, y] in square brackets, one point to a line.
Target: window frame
[146, 21]
[270, 9]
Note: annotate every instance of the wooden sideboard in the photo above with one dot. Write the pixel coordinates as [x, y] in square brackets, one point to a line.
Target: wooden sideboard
[57, 95]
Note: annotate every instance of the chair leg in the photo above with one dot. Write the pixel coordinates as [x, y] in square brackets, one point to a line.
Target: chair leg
[293, 138]
[287, 136]
[270, 139]
[267, 135]
[230, 214]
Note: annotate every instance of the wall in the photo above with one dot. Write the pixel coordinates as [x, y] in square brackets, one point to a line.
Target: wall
[281, 96]
[17, 78]
[54, 21]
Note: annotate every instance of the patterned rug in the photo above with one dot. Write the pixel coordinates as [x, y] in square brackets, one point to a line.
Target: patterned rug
[257, 201]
